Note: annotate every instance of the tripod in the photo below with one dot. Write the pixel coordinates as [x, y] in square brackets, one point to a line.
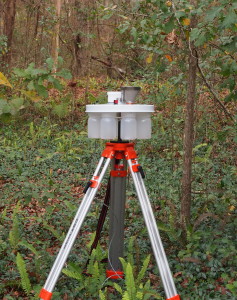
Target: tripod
[120, 155]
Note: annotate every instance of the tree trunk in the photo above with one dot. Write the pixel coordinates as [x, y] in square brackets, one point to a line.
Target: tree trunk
[77, 39]
[36, 29]
[186, 180]
[9, 20]
[1, 18]
[55, 42]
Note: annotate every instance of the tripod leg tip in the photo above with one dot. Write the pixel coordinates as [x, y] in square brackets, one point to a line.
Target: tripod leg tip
[45, 295]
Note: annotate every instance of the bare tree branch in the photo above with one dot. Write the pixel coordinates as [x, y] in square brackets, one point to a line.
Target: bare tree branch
[109, 65]
[219, 48]
[216, 98]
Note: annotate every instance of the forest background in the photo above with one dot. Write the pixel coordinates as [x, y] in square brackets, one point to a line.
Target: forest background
[56, 57]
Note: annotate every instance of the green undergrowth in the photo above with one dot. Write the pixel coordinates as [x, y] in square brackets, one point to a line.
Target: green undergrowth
[44, 168]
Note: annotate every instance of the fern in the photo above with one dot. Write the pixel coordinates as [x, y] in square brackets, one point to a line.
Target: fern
[123, 262]
[34, 251]
[92, 237]
[135, 290]
[36, 289]
[95, 271]
[164, 227]
[14, 235]
[130, 282]
[131, 250]
[102, 295]
[91, 261]
[100, 254]
[71, 274]
[29, 246]
[143, 270]
[147, 284]
[126, 296]
[139, 296]
[148, 292]
[170, 229]
[58, 235]
[16, 209]
[25, 281]
[73, 271]
[118, 288]
[70, 206]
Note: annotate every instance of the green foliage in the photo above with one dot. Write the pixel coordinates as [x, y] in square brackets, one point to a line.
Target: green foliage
[14, 234]
[40, 80]
[162, 32]
[11, 107]
[55, 232]
[89, 285]
[25, 281]
[142, 272]
[102, 295]
[30, 87]
[3, 45]
[134, 287]
[73, 271]
[45, 165]
[129, 281]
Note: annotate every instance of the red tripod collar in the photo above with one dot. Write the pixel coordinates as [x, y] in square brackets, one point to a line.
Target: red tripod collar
[119, 151]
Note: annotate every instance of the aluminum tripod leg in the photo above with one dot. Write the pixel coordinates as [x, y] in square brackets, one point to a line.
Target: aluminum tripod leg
[46, 292]
[154, 235]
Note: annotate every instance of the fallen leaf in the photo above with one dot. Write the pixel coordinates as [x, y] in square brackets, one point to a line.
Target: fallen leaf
[186, 21]
[149, 58]
[4, 80]
[171, 37]
[169, 57]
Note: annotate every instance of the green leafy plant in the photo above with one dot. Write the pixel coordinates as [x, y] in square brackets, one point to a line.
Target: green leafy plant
[134, 287]
[25, 281]
[30, 86]
[95, 278]
[38, 80]
[14, 234]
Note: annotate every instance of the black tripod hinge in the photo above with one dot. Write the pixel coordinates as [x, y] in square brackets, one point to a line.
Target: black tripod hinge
[140, 169]
[87, 186]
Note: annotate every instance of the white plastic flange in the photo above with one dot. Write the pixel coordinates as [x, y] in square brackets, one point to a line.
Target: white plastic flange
[103, 108]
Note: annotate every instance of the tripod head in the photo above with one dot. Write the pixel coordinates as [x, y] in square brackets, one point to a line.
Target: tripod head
[120, 118]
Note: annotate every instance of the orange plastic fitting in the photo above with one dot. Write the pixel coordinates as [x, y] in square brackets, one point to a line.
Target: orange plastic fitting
[94, 183]
[114, 274]
[177, 297]
[119, 150]
[45, 295]
[118, 173]
[135, 168]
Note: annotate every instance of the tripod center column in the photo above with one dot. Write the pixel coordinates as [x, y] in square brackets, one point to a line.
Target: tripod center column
[116, 215]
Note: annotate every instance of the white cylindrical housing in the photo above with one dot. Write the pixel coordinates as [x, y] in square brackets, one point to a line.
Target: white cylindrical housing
[138, 114]
[94, 125]
[108, 126]
[128, 126]
[143, 125]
